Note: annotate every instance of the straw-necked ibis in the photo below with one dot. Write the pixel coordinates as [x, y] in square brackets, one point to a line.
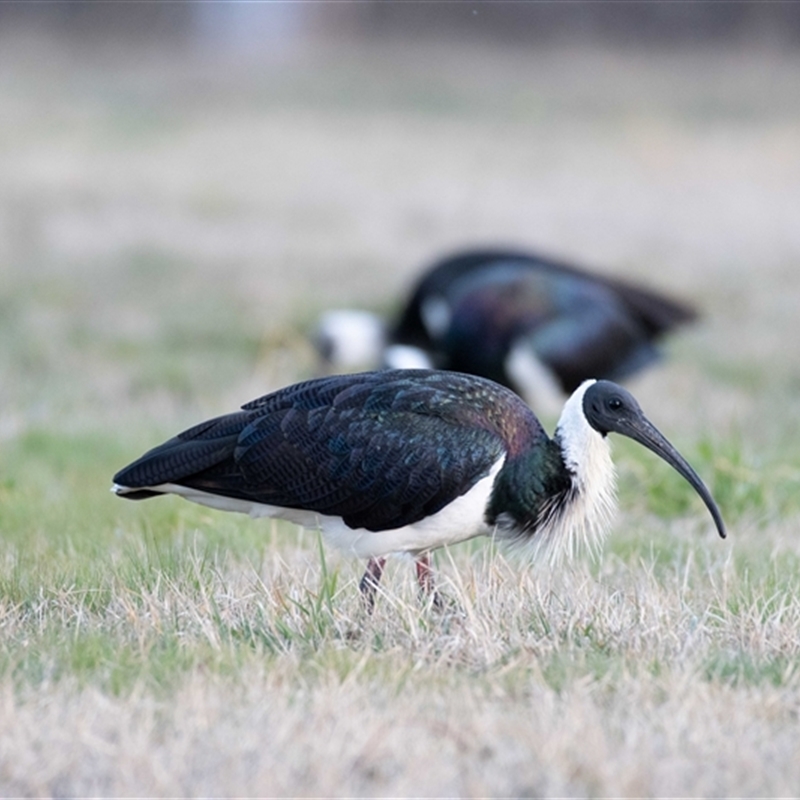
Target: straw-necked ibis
[534, 324]
[406, 461]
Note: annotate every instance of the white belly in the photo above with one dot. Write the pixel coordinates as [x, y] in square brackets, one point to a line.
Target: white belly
[460, 520]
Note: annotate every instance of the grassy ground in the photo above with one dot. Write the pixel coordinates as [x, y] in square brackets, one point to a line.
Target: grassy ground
[170, 227]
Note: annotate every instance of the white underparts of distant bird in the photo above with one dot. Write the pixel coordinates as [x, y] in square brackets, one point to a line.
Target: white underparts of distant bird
[408, 461]
[534, 324]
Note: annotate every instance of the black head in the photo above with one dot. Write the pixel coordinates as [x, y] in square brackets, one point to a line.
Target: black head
[609, 408]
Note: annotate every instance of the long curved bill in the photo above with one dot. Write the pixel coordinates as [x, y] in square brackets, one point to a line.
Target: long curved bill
[641, 430]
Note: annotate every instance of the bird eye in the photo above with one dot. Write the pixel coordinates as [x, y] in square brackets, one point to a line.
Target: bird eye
[614, 404]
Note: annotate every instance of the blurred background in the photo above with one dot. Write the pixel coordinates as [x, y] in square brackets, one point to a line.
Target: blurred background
[185, 186]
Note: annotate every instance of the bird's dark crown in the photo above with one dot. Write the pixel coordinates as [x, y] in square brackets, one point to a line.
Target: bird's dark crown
[606, 405]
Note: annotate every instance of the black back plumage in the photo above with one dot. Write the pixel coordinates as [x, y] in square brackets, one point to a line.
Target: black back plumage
[580, 325]
[379, 449]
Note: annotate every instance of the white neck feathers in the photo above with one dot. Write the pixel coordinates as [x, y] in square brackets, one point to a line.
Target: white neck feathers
[587, 455]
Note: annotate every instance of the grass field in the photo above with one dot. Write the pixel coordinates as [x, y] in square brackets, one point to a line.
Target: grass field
[169, 227]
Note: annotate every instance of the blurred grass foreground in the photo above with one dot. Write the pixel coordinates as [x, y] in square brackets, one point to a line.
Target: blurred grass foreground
[183, 188]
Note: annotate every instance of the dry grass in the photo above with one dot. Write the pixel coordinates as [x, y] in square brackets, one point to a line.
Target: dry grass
[170, 225]
[641, 680]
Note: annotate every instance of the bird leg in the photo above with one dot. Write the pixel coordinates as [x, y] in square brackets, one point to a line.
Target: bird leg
[425, 579]
[370, 580]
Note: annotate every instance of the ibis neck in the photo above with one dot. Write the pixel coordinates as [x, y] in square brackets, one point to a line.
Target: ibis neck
[586, 452]
[559, 493]
[587, 458]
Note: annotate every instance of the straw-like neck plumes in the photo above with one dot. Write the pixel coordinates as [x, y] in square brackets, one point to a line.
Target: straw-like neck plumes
[586, 516]
[557, 494]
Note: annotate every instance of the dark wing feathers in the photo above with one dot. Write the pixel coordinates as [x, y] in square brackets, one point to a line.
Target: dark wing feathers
[378, 468]
[579, 324]
[592, 339]
[485, 294]
[381, 449]
[653, 310]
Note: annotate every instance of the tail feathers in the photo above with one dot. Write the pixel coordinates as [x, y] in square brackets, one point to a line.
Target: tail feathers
[180, 458]
[656, 313]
